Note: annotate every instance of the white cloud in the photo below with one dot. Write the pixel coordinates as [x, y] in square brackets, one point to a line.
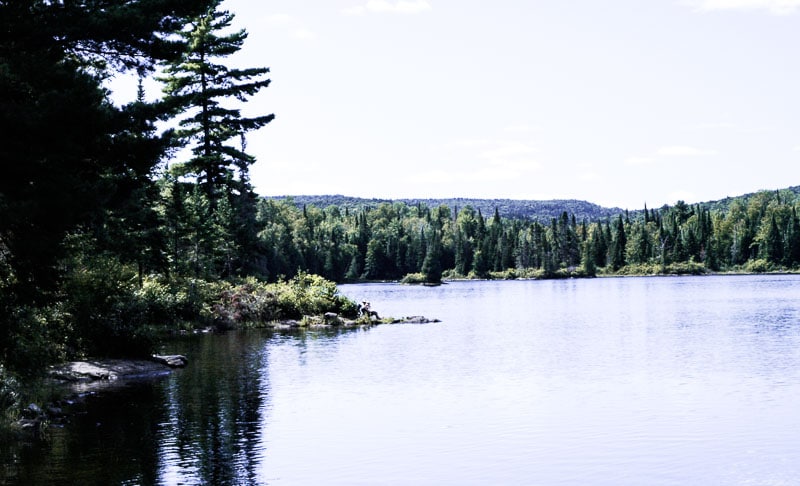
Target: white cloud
[359, 10]
[519, 166]
[278, 19]
[501, 171]
[714, 126]
[684, 151]
[506, 150]
[522, 129]
[639, 160]
[776, 7]
[467, 143]
[671, 152]
[290, 25]
[493, 160]
[304, 34]
[590, 176]
[384, 6]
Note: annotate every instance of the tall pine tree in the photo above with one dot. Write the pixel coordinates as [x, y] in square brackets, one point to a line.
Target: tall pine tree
[202, 93]
[196, 86]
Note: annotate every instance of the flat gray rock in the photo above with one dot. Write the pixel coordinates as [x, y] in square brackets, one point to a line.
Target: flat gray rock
[112, 369]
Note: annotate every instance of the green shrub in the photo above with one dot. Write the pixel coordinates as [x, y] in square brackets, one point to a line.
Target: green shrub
[509, 274]
[251, 303]
[307, 294]
[531, 273]
[413, 278]
[36, 338]
[635, 269]
[108, 319]
[452, 274]
[686, 268]
[759, 265]
[9, 393]
[652, 268]
[161, 303]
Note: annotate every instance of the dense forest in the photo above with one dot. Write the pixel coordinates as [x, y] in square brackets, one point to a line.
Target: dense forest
[108, 237]
[753, 233]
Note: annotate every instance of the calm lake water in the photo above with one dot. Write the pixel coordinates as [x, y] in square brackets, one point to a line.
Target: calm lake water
[614, 381]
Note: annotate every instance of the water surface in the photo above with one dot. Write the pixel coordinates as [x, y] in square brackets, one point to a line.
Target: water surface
[605, 381]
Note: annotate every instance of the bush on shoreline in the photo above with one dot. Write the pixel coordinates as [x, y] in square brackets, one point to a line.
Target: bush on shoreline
[105, 310]
[645, 269]
[757, 266]
[105, 313]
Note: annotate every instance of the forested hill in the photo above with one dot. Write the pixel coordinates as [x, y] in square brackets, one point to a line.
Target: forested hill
[724, 204]
[507, 208]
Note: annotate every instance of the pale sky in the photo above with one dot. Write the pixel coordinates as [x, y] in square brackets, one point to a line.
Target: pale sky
[617, 102]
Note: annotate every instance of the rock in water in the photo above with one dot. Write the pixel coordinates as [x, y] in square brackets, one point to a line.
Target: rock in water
[173, 360]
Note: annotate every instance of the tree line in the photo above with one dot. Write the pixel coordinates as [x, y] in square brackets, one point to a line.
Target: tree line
[392, 240]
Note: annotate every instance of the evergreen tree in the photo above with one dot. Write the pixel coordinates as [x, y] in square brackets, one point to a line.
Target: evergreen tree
[773, 244]
[618, 244]
[639, 246]
[432, 266]
[587, 258]
[250, 258]
[690, 244]
[792, 246]
[480, 266]
[196, 86]
[675, 235]
[599, 246]
[131, 227]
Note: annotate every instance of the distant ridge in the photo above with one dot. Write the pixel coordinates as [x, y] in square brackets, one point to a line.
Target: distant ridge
[507, 208]
[541, 210]
[724, 204]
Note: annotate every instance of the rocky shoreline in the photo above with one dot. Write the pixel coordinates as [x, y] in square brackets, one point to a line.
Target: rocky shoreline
[80, 379]
[333, 320]
[83, 375]
[112, 369]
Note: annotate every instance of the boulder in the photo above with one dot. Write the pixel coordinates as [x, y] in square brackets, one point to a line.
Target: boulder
[112, 369]
[32, 411]
[172, 360]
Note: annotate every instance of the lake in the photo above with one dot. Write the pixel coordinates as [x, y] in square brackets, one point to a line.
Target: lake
[658, 381]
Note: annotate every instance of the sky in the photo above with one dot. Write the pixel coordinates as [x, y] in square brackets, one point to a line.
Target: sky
[618, 102]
